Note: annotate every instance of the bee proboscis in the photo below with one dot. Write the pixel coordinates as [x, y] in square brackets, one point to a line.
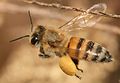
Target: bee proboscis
[56, 42]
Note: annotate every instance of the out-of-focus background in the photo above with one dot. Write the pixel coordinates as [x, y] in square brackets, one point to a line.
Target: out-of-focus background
[19, 61]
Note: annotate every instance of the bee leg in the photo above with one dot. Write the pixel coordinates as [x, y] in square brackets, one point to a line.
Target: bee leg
[76, 61]
[78, 76]
[79, 69]
[42, 53]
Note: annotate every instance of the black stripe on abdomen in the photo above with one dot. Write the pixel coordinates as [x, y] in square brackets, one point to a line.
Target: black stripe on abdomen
[98, 49]
[89, 46]
[80, 43]
[81, 40]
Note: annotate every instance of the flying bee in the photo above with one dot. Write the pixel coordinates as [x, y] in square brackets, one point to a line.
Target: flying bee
[70, 49]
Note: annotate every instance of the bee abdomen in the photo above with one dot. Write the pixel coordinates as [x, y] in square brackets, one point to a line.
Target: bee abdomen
[80, 48]
[97, 53]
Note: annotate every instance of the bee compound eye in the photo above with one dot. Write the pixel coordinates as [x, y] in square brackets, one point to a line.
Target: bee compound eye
[34, 40]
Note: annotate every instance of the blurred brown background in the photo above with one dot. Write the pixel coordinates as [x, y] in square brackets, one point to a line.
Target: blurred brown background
[19, 62]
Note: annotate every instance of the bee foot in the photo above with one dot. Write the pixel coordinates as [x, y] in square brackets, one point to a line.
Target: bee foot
[44, 56]
[79, 69]
[78, 76]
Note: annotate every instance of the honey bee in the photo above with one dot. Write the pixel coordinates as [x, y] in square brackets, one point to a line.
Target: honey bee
[70, 49]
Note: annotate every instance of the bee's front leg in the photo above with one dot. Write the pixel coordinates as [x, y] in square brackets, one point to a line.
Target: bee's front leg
[42, 53]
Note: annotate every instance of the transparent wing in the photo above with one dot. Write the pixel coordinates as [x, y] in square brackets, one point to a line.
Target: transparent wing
[85, 19]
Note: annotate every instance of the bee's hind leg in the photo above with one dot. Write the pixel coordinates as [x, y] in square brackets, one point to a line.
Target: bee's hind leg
[79, 69]
[76, 61]
[78, 76]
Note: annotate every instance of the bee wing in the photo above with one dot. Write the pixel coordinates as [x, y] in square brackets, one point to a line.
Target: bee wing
[85, 19]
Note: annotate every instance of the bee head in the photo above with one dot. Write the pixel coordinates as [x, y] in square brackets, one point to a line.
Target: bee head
[37, 35]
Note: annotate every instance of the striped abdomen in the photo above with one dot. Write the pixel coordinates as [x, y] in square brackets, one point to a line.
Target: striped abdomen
[80, 48]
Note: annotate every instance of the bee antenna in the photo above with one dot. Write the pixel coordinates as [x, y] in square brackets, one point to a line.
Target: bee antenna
[19, 38]
[30, 17]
